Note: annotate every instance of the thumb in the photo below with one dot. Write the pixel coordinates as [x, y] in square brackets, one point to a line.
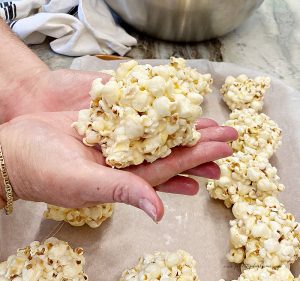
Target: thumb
[85, 78]
[104, 184]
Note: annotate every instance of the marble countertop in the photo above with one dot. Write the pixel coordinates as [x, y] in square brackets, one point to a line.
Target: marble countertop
[268, 41]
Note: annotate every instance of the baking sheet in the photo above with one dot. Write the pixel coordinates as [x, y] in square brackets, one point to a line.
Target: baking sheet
[196, 224]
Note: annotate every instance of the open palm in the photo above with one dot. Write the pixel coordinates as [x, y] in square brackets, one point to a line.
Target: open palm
[48, 162]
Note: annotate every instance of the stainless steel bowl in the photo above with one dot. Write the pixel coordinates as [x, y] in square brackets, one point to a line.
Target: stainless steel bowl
[184, 20]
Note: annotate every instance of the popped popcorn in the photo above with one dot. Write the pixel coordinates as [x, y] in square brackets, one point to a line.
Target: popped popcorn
[53, 260]
[163, 266]
[265, 232]
[258, 134]
[236, 255]
[267, 274]
[144, 111]
[264, 237]
[92, 216]
[242, 92]
[244, 177]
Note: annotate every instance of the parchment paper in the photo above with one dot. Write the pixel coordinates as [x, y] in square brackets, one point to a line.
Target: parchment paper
[196, 224]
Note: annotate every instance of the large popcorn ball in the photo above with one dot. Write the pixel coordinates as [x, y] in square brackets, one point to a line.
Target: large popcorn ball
[92, 216]
[258, 134]
[265, 233]
[244, 177]
[163, 266]
[144, 111]
[242, 92]
[53, 260]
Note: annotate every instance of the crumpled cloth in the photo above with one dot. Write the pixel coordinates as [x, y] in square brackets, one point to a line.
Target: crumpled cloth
[79, 27]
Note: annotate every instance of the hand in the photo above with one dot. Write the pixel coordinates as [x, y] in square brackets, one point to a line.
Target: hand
[47, 161]
[51, 91]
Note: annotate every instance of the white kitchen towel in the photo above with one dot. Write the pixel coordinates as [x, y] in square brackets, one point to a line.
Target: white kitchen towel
[80, 27]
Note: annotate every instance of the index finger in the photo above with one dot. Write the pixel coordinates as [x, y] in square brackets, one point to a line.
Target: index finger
[180, 160]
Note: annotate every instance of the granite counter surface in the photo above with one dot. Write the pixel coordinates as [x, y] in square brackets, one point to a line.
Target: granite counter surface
[268, 41]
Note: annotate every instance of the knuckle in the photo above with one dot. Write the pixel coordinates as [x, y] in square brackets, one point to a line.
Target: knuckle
[121, 193]
[202, 151]
[75, 197]
[206, 157]
[176, 166]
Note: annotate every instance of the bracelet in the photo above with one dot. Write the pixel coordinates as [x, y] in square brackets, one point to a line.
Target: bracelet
[7, 185]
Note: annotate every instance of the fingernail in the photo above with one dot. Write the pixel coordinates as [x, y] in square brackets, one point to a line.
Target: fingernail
[149, 208]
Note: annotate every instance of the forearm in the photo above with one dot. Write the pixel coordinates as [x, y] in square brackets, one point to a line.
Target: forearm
[18, 67]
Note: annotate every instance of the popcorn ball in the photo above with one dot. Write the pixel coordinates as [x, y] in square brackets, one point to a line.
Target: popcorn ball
[53, 260]
[244, 177]
[92, 216]
[242, 92]
[144, 111]
[258, 134]
[267, 274]
[265, 233]
[163, 266]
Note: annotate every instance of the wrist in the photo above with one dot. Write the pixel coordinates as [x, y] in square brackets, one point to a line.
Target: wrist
[19, 67]
[17, 93]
